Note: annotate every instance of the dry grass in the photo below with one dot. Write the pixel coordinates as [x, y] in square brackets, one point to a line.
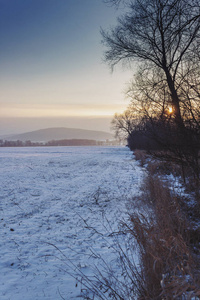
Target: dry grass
[141, 156]
[168, 267]
[164, 168]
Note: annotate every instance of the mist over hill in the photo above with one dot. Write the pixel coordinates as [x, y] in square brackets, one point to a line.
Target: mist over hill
[48, 134]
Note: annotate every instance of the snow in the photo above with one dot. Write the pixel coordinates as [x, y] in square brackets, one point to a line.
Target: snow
[58, 206]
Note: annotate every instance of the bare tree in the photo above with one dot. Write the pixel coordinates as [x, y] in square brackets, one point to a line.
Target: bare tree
[123, 124]
[160, 33]
[115, 2]
[162, 37]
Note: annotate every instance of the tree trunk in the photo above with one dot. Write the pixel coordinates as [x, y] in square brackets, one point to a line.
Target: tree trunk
[175, 100]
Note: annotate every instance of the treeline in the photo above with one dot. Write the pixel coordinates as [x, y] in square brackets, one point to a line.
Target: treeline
[65, 142]
[72, 142]
[165, 140]
[5, 143]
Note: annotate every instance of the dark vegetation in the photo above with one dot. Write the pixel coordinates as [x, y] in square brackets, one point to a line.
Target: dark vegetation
[162, 127]
[66, 142]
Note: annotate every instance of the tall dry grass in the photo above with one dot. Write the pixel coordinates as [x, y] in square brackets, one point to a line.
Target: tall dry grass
[169, 268]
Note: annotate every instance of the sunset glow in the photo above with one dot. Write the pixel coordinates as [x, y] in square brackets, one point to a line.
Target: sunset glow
[60, 111]
[170, 109]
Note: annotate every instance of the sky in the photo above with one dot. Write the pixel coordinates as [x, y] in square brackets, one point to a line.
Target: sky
[52, 71]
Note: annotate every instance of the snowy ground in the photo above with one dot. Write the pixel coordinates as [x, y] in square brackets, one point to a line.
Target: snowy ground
[57, 208]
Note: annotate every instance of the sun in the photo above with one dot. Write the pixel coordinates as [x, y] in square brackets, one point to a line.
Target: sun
[170, 109]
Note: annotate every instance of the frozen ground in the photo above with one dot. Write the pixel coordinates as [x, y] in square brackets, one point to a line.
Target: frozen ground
[58, 207]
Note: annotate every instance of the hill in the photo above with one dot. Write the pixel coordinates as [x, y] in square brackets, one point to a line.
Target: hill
[60, 133]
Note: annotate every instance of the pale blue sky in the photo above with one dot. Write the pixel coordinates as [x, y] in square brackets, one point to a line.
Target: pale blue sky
[51, 60]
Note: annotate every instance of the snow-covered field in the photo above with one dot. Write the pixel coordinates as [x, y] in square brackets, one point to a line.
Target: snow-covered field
[58, 206]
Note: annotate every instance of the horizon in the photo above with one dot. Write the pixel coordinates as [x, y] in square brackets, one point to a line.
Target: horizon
[47, 135]
[34, 124]
[53, 128]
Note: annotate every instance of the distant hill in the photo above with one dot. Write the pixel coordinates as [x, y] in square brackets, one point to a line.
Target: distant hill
[60, 133]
